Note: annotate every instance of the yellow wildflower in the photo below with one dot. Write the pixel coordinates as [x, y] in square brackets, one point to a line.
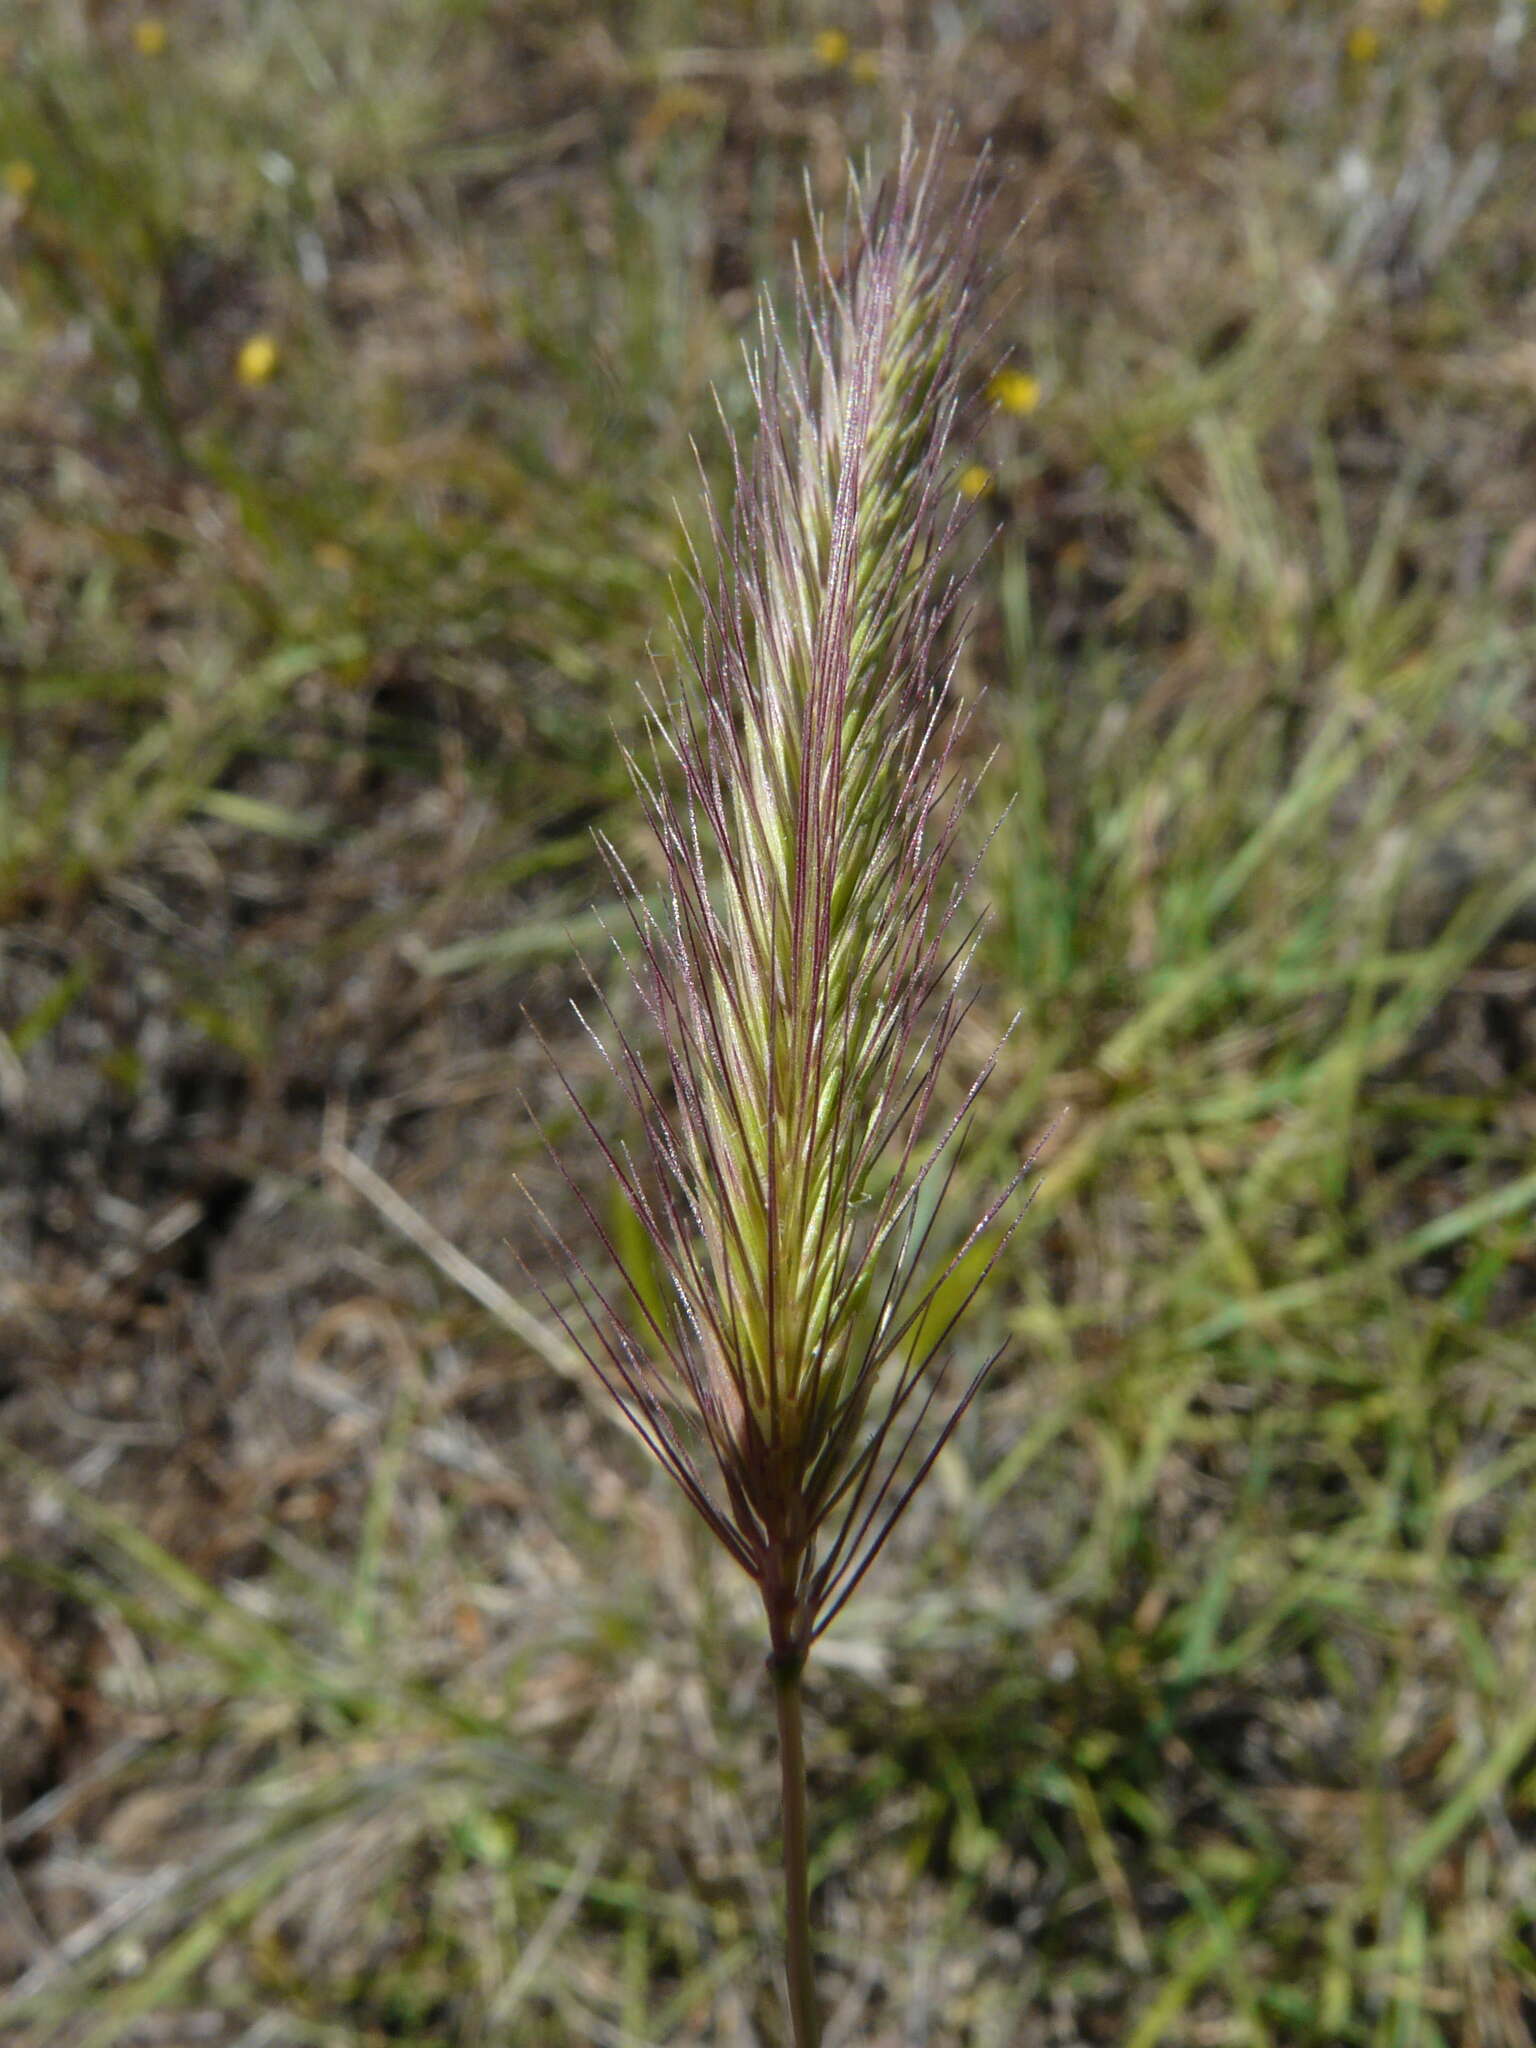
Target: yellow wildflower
[1015, 391]
[1364, 45]
[149, 36]
[257, 360]
[865, 68]
[1433, 9]
[975, 481]
[19, 179]
[831, 47]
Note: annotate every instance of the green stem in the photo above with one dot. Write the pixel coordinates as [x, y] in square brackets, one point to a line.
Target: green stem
[798, 1972]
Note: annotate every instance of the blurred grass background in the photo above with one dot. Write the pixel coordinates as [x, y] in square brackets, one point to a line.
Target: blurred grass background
[359, 1683]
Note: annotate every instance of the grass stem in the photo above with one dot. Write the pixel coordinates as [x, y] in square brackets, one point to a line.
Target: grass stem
[799, 1976]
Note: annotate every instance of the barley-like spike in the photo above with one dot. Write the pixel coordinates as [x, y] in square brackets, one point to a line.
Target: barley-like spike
[803, 964]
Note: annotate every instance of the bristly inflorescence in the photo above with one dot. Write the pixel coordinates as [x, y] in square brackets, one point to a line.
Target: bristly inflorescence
[803, 972]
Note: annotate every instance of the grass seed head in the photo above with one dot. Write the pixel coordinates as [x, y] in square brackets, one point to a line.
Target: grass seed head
[804, 973]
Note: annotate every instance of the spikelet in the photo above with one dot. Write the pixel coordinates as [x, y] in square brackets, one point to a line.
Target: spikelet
[804, 974]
